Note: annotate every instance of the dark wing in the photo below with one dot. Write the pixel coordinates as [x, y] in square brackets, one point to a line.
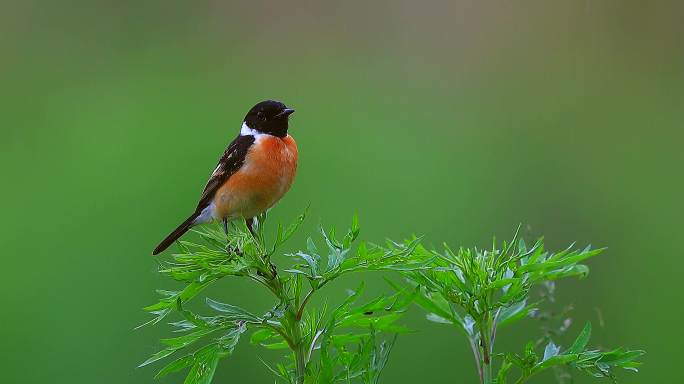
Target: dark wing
[230, 162]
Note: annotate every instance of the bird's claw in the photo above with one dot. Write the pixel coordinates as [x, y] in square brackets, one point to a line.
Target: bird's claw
[234, 250]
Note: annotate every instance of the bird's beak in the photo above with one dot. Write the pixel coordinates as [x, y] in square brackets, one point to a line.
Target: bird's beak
[286, 112]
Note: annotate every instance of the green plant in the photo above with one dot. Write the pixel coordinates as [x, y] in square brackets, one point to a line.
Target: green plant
[479, 292]
[325, 346]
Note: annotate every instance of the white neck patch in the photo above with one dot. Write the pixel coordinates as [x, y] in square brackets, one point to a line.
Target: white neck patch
[247, 131]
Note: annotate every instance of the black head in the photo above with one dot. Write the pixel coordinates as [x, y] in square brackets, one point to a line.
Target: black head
[269, 117]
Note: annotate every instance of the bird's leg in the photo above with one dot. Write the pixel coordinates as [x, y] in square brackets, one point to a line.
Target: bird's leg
[250, 226]
[225, 225]
[229, 248]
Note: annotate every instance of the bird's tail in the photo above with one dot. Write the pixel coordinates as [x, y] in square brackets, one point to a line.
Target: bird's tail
[178, 232]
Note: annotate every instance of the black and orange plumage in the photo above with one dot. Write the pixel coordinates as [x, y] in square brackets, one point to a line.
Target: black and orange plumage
[254, 173]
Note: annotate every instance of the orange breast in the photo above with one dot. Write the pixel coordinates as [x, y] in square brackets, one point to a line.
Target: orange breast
[265, 176]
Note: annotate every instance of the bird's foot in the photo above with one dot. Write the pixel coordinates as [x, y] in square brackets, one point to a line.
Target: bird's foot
[234, 250]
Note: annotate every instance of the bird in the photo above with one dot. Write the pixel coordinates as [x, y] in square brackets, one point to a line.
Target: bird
[254, 173]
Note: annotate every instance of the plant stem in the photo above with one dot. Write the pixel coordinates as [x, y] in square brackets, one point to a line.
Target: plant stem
[303, 304]
[494, 326]
[291, 321]
[299, 351]
[486, 348]
[487, 373]
[478, 360]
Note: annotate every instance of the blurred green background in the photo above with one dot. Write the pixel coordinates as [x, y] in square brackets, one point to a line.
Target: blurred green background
[453, 119]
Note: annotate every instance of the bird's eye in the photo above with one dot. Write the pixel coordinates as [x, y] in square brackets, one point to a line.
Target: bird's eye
[261, 116]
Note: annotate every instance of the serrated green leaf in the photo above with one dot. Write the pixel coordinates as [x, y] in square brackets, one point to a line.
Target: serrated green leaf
[204, 366]
[618, 357]
[261, 335]
[185, 340]
[175, 366]
[516, 312]
[233, 312]
[581, 341]
[438, 319]
[553, 361]
[158, 356]
[278, 345]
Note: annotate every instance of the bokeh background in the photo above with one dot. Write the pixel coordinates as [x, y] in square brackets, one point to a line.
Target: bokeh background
[453, 119]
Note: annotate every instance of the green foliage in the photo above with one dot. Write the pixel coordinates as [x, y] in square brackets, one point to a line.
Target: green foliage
[479, 291]
[593, 362]
[345, 344]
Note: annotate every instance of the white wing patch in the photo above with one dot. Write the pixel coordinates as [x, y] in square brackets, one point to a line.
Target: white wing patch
[216, 170]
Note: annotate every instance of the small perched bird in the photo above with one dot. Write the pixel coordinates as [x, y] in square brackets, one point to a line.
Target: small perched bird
[255, 171]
